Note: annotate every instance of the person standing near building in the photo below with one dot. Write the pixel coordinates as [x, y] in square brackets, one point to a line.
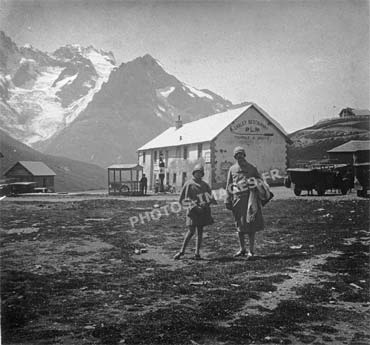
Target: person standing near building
[161, 166]
[143, 185]
[246, 208]
[196, 195]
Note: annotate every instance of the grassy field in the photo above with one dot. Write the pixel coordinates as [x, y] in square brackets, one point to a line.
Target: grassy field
[76, 272]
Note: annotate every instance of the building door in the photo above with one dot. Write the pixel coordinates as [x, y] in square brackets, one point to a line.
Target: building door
[183, 178]
[167, 178]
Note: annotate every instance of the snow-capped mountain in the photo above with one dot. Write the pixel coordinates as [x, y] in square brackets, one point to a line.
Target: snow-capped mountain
[42, 93]
[139, 101]
[76, 103]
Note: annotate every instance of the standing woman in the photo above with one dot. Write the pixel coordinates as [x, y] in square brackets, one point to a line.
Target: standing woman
[197, 196]
[247, 212]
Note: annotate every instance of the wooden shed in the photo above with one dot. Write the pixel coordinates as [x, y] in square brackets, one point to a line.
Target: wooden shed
[124, 179]
[32, 171]
[354, 151]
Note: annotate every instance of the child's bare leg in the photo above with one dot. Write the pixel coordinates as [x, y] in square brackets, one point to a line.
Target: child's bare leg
[241, 240]
[187, 238]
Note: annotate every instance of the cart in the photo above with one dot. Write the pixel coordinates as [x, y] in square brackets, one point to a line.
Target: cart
[362, 179]
[321, 178]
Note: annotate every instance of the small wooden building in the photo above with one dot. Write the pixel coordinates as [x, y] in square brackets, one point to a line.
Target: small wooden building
[354, 151]
[31, 171]
[211, 141]
[350, 112]
[124, 179]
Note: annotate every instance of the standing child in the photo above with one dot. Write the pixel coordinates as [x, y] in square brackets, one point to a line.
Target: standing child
[198, 196]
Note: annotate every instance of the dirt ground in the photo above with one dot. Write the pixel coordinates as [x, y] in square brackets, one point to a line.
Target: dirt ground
[74, 271]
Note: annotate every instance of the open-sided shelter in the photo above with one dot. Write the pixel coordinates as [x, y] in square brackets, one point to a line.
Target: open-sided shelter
[124, 179]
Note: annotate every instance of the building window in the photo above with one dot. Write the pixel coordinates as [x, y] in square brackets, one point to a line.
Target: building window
[143, 156]
[155, 156]
[174, 178]
[185, 152]
[183, 178]
[200, 149]
[178, 152]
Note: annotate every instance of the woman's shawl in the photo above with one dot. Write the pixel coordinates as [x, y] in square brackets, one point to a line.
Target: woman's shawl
[258, 194]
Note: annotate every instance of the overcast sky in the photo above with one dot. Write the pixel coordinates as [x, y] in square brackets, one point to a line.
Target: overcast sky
[301, 61]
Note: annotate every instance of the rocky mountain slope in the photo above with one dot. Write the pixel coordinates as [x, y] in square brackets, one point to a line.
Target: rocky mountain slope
[139, 101]
[312, 143]
[74, 102]
[70, 175]
[42, 93]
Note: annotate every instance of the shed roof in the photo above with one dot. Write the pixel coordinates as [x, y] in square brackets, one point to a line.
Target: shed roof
[22, 183]
[35, 168]
[133, 166]
[352, 146]
[205, 129]
[355, 112]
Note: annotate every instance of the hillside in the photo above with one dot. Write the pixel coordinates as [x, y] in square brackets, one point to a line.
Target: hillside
[71, 175]
[313, 142]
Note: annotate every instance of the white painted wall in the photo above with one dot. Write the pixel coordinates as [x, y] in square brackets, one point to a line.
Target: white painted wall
[265, 147]
[175, 163]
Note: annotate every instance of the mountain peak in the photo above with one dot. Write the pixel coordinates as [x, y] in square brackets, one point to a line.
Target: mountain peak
[147, 60]
[71, 51]
[75, 47]
[9, 54]
[6, 42]
[119, 108]
[64, 81]
[148, 57]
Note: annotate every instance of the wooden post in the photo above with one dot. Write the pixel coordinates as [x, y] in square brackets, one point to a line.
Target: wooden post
[137, 181]
[114, 179]
[108, 181]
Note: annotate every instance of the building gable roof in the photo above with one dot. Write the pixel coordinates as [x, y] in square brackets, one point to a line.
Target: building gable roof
[133, 166]
[352, 146]
[205, 129]
[35, 168]
[356, 112]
